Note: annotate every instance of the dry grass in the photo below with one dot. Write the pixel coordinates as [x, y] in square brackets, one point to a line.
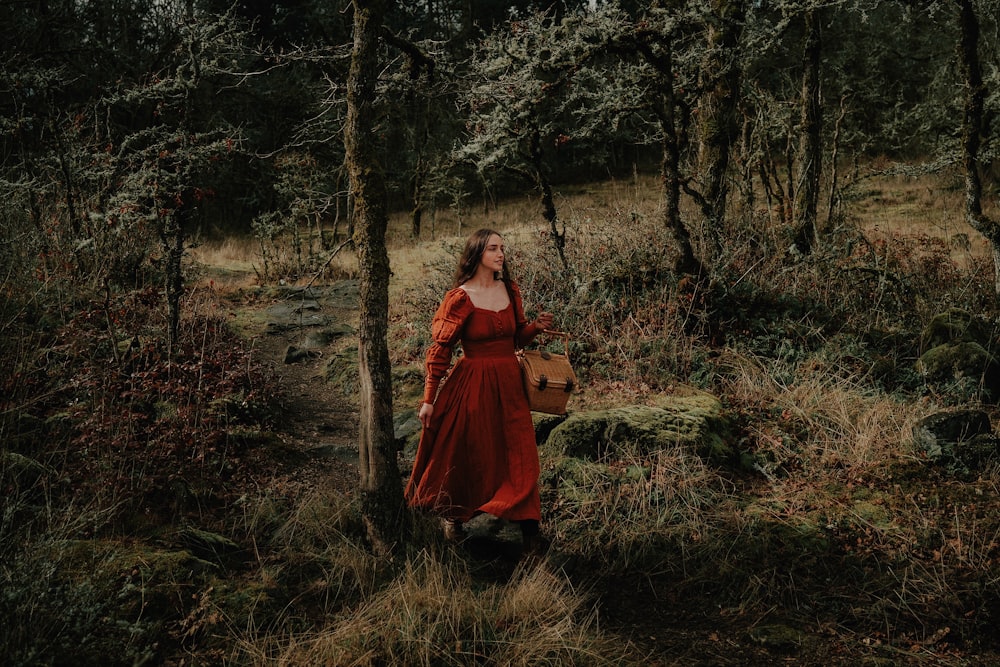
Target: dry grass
[434, 614]
[832, 520]
[931, 205]
[846, 423]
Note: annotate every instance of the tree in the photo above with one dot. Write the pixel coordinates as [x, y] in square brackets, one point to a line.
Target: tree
[162, 170]
[810, 138]
[974, 126]
[717, 117]
[382, 493]
[542, 102]
[655, 42]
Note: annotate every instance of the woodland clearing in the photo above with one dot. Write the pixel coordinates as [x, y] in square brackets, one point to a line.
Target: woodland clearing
[233, 535]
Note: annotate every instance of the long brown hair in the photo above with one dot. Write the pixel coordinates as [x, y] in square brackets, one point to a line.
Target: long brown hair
[473, 254]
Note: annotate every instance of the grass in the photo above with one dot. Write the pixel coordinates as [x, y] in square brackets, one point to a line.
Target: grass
[434, 613]
[831, 523]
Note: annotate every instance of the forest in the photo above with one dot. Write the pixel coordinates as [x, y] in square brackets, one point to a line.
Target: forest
[770, 228]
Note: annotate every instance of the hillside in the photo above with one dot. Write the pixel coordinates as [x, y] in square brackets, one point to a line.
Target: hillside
[205, 512]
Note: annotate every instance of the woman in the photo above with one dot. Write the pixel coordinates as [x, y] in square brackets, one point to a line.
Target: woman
[477, 451]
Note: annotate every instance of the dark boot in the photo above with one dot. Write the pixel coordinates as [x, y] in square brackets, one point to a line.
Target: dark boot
[533, 543]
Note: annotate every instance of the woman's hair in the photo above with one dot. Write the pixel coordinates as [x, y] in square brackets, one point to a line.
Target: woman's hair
[473, 254]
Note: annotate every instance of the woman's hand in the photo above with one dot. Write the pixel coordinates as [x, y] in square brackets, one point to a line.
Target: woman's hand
[543, 321]
[426, 410]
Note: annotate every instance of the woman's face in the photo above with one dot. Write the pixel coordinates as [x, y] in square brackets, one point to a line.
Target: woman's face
[492, 258]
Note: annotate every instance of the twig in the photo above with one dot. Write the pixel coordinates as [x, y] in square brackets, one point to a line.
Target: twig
[327, 263]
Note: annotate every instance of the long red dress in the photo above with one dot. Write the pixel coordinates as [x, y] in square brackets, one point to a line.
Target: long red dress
[478, 455]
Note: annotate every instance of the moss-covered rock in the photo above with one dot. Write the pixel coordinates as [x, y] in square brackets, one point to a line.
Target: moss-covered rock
[577, 480]
[777, 636]
[98, 602]
[406, 430]
[954, 326]
[544, 424]
[322, 337]
[958, 360]
[212, 547]
[342, 371]
[955, 352]
[962, 440]
[696, 421]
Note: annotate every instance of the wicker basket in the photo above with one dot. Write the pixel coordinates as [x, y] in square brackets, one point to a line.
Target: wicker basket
[548, 377]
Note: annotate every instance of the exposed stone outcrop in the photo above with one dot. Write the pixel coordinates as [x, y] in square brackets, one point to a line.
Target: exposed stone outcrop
[959, 439]
[694, 420]
[956, 349]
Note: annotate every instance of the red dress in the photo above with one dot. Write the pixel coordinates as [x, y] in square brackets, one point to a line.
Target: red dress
[478, 454]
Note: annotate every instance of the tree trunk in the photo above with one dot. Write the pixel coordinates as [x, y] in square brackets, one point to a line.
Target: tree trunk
[686, 262]
[810, 149]
[548, 200]
[968, 53]
[172, 237]
[717, 110]
[834, 156]
[381, 488]
[417, 196]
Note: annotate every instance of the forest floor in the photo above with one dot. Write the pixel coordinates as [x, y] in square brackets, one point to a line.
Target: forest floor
[653, 624]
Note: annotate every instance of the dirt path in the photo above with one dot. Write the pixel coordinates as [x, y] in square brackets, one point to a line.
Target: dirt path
[298, 331]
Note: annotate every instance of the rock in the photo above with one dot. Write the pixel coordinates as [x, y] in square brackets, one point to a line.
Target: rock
[950, 426]
[106, 602]
[406, 430]
[577, 480]
[777, 636]
[342, 371]
[955, 349]
[962, 437]
[978, 450]
[954, 326]
[295, 354]
[20, 471]
[212, 547]
[694, 421]
[544, 424]
[963, 362]
[326, 335]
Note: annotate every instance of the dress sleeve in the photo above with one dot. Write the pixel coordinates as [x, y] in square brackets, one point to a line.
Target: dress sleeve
[525, 332]
[446, 329]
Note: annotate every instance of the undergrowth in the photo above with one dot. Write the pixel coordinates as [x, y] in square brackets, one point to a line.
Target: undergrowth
[142, 480]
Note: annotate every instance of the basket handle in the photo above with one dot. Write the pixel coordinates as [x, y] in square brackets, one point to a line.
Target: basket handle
[558, 334]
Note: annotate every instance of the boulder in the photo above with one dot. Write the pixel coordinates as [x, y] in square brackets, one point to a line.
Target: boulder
[954, 326]
[694, 420]
[19, 471]
[956, 438]
[962, 362]
[211, 547]
[342, 371]
[406, 430]
[955, 350]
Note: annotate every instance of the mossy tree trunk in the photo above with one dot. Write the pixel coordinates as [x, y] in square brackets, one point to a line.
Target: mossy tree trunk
[657, 49]
[718, 110]
[686, 262]
[975, 97]
[382, 492]
[810, 133]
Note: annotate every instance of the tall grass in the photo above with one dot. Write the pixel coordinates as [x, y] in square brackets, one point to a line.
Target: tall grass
[435, 614]
[830, 520]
